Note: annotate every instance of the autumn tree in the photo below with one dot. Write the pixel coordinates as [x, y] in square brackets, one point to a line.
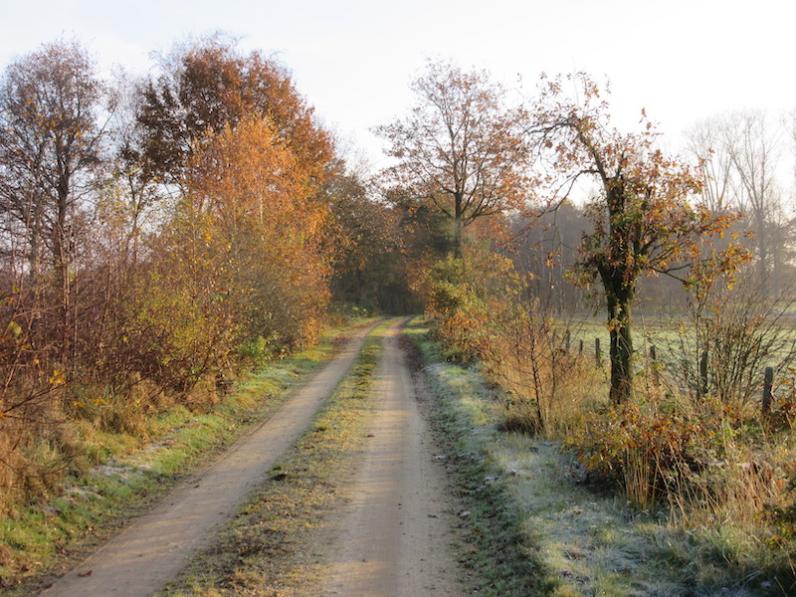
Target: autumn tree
[154, 239]
[244, 241]
[461, 148]
[643, 219]
[241, 267]
[265, 213]
[371, 249]
[209, 85]
[51, 137]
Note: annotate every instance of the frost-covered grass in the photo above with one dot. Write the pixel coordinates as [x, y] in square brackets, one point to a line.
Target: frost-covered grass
[575, 540]
[667, 333]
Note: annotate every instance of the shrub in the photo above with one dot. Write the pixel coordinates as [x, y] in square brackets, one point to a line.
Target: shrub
[546, 383]
[742, 333]
[464, 295]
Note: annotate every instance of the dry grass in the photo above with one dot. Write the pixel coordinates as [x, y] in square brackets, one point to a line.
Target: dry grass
[714, 471]
[115, 474]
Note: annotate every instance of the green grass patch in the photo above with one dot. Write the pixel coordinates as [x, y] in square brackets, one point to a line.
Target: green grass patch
[128, 475]
[271, 547]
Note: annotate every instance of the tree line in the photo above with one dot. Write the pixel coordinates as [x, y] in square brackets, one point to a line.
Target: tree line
[594, 218]
[160, 235]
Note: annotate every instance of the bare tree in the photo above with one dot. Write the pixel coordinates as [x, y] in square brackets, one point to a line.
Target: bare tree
[706, 142]
[137, 185]
[754, 150]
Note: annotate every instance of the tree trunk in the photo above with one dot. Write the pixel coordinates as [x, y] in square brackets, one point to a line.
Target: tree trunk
[776, 259]
[61, 255]
[35, 254]
[621, 350]
[458, 229]
[762, 247]
[33, 223]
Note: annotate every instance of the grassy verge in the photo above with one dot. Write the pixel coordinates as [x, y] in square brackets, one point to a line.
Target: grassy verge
[130, 474]
[271, 547]
[538, 530]
[503, 558]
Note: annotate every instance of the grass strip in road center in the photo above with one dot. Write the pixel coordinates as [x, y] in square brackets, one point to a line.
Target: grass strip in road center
[272, 547]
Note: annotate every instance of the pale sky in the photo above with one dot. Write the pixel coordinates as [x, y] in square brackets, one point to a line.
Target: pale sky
[681, 60]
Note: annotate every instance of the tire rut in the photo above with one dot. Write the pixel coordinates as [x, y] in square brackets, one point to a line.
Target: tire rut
[394, 537]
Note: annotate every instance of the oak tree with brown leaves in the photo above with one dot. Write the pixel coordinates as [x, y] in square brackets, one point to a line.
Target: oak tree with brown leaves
[210, 85]
[461, 149]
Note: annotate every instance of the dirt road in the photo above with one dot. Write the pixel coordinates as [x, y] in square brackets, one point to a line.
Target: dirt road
[156, 546]
[395, 534]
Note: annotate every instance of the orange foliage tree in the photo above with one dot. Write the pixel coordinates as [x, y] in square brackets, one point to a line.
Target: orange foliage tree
[209, 86]
[244, 256]
[260, 198]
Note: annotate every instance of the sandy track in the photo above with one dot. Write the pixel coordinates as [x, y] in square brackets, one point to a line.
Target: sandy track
[155, 547]
[395, 534]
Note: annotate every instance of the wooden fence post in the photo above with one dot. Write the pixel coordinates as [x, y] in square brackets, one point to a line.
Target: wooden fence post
[703, 374]
[768, 382]
[597, 353]
[567, 339]
[654, 365]
[580, 349]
